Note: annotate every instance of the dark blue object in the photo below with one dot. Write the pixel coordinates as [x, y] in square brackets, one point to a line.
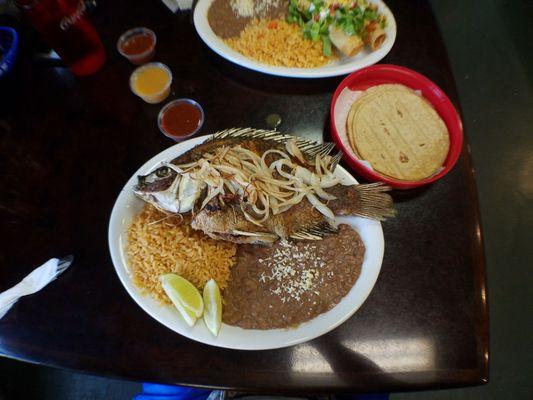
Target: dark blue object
[369, 396]
[154, 391]
[9, 40]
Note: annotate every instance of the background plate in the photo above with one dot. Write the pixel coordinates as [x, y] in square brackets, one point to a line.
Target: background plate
[127, 206]
[342, 66]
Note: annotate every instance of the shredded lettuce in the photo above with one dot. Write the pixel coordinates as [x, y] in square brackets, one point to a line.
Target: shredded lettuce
[351, 21]
[315, 19]
[326, 46]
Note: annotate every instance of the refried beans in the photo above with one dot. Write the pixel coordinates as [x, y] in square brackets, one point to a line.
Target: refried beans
[292, 281]
[228, 18]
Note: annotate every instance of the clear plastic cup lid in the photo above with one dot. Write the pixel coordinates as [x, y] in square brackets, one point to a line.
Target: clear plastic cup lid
[174, 103]
[132, 33]
[142, 68]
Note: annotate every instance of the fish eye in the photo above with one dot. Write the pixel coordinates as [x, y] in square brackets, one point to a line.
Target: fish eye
[162, 172]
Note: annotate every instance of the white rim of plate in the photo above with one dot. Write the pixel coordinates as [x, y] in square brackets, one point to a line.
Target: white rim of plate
[127, 205]
[343, 66]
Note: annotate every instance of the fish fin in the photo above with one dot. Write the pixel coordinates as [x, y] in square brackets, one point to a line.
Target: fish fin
[314, 148]
[374, 203]
[316, 232]
[335, 160]
[309, 148]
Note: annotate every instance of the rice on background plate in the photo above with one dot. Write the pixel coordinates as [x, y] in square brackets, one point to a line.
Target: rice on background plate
[279, 43]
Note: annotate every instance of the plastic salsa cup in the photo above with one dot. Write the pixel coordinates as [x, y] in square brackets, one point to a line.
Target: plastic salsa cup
[180, 119]
[151, 82]
[137, 45]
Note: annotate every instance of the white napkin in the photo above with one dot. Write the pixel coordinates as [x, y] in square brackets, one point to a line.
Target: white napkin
[35, 281]
[174, 5]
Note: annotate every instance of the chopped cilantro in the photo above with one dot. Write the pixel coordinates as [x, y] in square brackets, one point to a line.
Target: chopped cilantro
[316, 19]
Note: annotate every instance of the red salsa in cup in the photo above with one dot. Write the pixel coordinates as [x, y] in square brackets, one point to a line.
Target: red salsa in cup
[181, 118]
[137, 45]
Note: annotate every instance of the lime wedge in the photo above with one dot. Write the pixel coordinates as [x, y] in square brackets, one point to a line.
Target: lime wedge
[213, 307]
[185, 297]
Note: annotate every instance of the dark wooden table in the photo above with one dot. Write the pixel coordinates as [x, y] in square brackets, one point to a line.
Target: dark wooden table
[67, 147]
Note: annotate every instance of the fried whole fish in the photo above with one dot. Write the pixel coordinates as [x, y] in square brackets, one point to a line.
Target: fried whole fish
[255, 186]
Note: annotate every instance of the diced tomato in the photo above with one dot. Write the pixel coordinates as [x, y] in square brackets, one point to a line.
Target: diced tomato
[333, 7]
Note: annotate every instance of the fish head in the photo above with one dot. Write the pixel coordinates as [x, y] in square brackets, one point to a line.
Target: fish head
[157, 180]
[156, 188]
[169, 190]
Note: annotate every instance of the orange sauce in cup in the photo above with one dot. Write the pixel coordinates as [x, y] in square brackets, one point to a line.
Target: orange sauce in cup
[151, 82]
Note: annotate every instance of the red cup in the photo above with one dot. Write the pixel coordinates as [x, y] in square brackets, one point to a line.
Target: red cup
[381, 74]
[65, 26]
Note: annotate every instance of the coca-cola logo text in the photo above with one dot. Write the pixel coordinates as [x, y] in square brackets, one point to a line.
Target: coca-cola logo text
[69, 20]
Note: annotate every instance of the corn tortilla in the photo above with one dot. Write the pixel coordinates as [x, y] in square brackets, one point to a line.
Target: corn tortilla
[398, 132]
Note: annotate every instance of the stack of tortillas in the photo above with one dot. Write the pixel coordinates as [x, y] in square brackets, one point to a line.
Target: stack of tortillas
[398, 132]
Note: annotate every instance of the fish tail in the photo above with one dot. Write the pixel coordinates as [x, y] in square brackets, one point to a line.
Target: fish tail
[369, 201]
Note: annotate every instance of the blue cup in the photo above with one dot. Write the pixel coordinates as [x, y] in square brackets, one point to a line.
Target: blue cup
[9, 41]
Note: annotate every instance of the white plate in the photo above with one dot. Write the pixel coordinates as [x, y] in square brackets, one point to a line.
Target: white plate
[343, 66]
[127, 206]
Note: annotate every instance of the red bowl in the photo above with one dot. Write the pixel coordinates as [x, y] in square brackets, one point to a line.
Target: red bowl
[380, 74]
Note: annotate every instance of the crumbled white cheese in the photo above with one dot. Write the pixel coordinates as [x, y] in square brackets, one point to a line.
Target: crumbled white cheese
[293, 270]
[252, 8]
